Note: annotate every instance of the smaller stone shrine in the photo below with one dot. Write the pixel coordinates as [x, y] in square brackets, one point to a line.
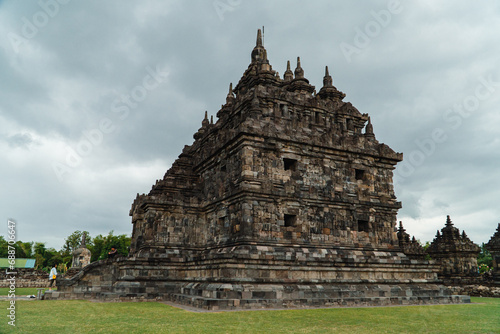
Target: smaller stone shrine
[410, 246]
[493, 246]
[81, 255]
[456, 254]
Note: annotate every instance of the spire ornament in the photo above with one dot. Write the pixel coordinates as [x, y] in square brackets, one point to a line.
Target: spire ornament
[205, 120]
[369, 128]
[299, 72]
[230, 95]
[327, 79]
[258, 52]
[288, 76]
[328, 90]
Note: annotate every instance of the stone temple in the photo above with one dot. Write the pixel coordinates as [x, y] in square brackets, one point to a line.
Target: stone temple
[287, 200]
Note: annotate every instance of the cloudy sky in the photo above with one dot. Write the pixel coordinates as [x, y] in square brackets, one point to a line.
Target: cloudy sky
[97, 98]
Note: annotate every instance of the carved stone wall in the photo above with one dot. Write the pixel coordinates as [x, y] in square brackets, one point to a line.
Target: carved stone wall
[25, 278]
[493, 247]
[281, 164]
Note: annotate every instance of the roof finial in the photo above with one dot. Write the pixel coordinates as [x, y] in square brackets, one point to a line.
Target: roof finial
[299, 72]
[259, 38]
[369, 128]
[448, 221]
[84, 240]
[327, 79]
[288, 75]
[258, 50]
[205, 120]
[230, 95]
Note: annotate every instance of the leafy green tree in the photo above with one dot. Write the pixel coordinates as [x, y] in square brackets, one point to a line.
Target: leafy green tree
[39, 261]
[39, 248]
[425, 247]
[27, 248]
[3, 247]
[52, 257]
[120, 242]
[484, 257]
[97, 247]
[74, 241]
[103, 244]
[23, 249]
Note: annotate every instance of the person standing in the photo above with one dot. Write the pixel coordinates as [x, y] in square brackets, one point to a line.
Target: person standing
[52, 276]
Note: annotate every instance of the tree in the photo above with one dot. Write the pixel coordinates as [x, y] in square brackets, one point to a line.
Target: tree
[74, 241]
[27, 248]
[52, 257]
[39, 261]
[484, 257]
[23, 249]
[97, 247]
[3, 247]
[39, 248]
[103, 244]
[120, 242]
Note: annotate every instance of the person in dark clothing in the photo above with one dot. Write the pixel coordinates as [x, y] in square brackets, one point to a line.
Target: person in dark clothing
[112, 253]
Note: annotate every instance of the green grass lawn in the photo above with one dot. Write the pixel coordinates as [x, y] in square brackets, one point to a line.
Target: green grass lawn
[149, 317]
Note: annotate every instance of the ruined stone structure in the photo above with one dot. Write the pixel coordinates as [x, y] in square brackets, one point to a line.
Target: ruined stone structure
[25, 278]
[410, 246]
[455, 252]
[493, 246]
[81, 255]
[286, 201]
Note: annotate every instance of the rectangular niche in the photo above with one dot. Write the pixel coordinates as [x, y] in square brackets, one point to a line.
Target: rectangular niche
[290, 220]
[359, 174]
[290, 164]
[363, 226]
[284, 110]
[223, 222]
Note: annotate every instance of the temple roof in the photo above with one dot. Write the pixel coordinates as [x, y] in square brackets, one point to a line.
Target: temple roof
[494, 243]
[451, 240]
[260, 71]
